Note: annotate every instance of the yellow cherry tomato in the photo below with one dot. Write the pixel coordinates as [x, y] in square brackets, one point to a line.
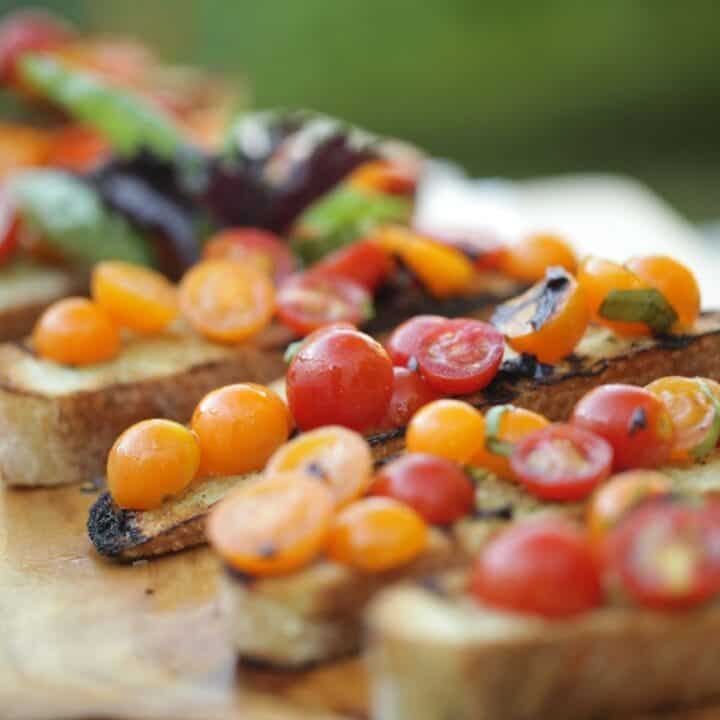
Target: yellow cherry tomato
[529, 258]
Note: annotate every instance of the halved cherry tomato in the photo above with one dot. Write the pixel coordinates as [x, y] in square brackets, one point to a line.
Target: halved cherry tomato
[333, 455]
[529, 258]
[447, 428]
[667, 555]
[434, 487]
[239, 427]
[76, 331]
[693, 405]
[342, 377]
[405, 340]
[632, 420]
[258, 247]
[22, 146]
[410, 393]
[77, 148]
[272, 526]
[376, 534]
[225, 300]
[598, 277]
[496, 445]
[548, 320]
[561, 462]
[614, 500]
[384, 176]
[151, 461]
[443, 270]
[675, 281]
[309, 300]
[136, 297]
[364, 262]
[9, 224]
[542, 567]
[460, 356]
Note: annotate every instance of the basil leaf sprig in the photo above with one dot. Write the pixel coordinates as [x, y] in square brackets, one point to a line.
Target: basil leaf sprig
[645, 305]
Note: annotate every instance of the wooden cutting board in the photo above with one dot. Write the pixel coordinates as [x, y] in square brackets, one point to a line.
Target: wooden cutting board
[83, 638]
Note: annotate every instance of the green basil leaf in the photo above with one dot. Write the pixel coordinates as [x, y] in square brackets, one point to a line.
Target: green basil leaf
[126, 121]
[647, 306]
[709, 442]
[342, 216]
[70, 216]
[492, 432]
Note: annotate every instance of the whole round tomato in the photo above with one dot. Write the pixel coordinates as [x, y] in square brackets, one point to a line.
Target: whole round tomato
[632, 419]
[340, 377]
[404, 343]
[410, 393]
[364, 262]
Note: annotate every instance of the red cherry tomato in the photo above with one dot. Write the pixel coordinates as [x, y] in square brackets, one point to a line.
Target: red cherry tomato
[405, 340]
[410, 393]
[340, 377]
[29, 30]
[261, 247]
[434, 487]
[460, 356]
[309, 300]
[561, 462]
[9, 224]
[543, 567]
[365, 262]
[633, 420]
[667, 556]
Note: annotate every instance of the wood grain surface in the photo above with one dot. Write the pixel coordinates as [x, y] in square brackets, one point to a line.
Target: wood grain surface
[83, 638]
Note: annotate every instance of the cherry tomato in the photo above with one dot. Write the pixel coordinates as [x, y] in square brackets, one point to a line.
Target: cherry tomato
[364, 262]
[384, 176]
[28, 30]
[667, 556]
[405, 340]
[135, 297]
[530, 258]
[446, 428]
[225, 300]
[272, 526]
[548, 320]
[151, 461]
[343, 377]
[9, 224]
[376, 534]
[410, 393]
[561, 462]
[674, 281]
[485, 250]
[692, 404]
[77, 148]
[333, 455]
[632, 420]
[614, 500]
[309, 300]
[514, 424]
[22, 147]
[261, 248]
[460, 356]
[434, 487]
[598, 277]
[76, 331]
[239, 427]
[542, 567]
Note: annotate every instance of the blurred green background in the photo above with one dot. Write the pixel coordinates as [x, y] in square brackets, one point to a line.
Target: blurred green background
[514, 88]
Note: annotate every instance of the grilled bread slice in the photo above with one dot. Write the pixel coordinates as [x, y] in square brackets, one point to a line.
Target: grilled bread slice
[600, 358]
[57, 424]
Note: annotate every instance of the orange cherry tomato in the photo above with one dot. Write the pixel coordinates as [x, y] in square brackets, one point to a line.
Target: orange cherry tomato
[151, 461]
[226, 301]
[548, 320]
[76, 331]
[675, 281]
[22, 147]
[376, 534]
[272, 526]
[133, 296]
[239, 427]
[529, 259]
[384, 176]
[692, 404]
[77, 148]
[614, 500]
[514, 423]
[338, 457]
[598, 277]
[447, 428]
[443, 270]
